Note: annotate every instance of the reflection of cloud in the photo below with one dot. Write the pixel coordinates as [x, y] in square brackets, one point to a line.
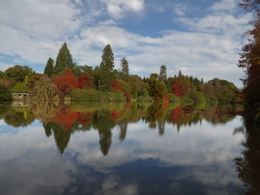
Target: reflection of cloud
[202, 153]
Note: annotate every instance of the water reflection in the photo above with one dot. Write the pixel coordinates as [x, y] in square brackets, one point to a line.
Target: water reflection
[247, 164]
[61, 120]
[124, 148]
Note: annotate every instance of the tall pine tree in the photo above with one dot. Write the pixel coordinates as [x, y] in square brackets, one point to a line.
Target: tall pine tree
[125, 70]
[106, 73]
[63, 60]
[49, 67]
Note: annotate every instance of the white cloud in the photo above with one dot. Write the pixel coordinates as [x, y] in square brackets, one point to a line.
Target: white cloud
[180, 9]
[225, 5]
[117, 8]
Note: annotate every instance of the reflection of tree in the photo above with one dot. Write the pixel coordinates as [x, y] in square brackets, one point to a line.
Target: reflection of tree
[47, 127]
[123, 129]
[19, 117]
[155, 112]
[65, 117]
[247, 165]
[102, 121]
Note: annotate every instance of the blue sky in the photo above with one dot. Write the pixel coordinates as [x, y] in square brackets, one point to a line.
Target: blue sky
[202, 38]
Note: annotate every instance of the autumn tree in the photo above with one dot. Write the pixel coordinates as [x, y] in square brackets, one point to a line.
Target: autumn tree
[65, 83]
[119, 84]
[86, 81]
[44, 89]
[49, 67]
[156, 89]
[250, 58]
[63, 60]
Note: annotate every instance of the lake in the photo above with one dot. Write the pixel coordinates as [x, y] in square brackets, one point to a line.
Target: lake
[127, 148]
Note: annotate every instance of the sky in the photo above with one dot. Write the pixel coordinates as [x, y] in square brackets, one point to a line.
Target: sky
[202, 38]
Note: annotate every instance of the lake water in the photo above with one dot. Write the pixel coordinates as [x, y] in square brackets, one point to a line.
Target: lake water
[125, 149]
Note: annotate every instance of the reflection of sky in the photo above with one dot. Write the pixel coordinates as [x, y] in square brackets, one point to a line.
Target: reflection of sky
[199, 156]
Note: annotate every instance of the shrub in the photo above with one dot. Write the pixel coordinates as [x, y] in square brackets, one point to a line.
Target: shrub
[19, 88]
[5, 94]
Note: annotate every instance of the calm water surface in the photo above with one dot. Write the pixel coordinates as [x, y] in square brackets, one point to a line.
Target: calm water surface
[126, 149]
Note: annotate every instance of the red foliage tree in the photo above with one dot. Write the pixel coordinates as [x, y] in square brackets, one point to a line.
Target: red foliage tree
[119, 84]
[65, 83]
[86, 81]
[176, 86]
[67, 72]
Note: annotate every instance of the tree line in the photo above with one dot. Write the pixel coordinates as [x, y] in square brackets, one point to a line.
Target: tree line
[64, 78]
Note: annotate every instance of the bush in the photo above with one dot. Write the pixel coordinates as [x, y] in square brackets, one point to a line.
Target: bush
[5, 94]
[94, 95]
[19, 88]
[84, 95]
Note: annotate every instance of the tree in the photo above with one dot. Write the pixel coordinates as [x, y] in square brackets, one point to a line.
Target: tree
[251, 5]
[163, 75]
[5, 94]
[18, 73]
[125, 70]
[119, 84]
[49, 67]
[177, 87]
[44, 89]
[156, 89]
[63, 60]
[105, 73]
[250, 58]
[65, 83]
[86, 81]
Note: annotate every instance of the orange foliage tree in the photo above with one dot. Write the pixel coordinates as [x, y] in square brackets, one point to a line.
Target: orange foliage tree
[119, 84]
[86, 81]
[66, 82]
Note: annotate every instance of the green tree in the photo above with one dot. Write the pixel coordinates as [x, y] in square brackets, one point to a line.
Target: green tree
[105, 73]
[17, 73]
[163, 75]
[49, 67]
[124, 69]
[63, 60]
[5, 94]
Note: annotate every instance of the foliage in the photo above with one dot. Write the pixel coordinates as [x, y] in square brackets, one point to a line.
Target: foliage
[19, 88]
[17, 73]
[49, 67]
[176, 85]
[124, 73]
[8, 83]
[163, 74]
[85, 81]
[104, 73]
[65, 83]
[5, 94]
[63, 60]
[84, 95]
[156, 89]
[44, 89]
[119, 84]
